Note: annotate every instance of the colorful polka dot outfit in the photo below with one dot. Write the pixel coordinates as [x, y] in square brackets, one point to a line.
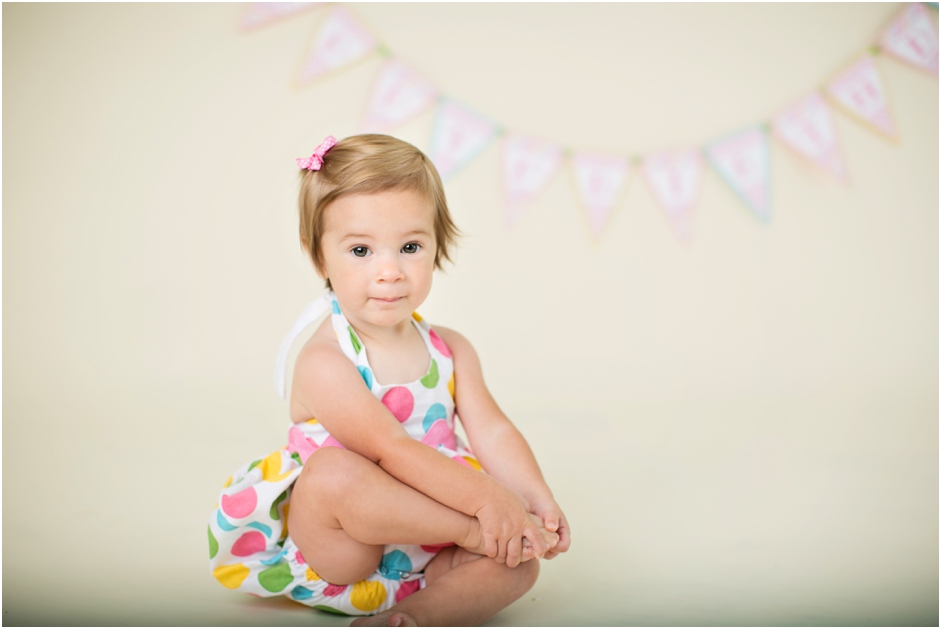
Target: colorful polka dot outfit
[250, 548]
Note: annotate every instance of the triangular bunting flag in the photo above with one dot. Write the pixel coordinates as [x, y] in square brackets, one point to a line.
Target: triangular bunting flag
[341, 41]
[400, 94]
[458, 136]
[859, 90]
[262, 13]
[912, 38]
[674, 178]
[807, 127]
[742, 159]
[600, 180]
[528, 165]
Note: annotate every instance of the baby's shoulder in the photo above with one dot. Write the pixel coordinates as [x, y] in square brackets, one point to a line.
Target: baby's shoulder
[322, 348]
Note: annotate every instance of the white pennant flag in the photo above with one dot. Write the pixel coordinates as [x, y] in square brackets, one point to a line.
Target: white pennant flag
[742, 159]
[528, 165]
[341, 41]
[912, 38]
[400, 94]
[600, 180]
[859, 90]
[807, 127]
[674, 178]
[459, 135]
[261, 13]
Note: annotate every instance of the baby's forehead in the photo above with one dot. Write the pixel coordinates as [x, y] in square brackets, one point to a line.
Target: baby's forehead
[400, 210]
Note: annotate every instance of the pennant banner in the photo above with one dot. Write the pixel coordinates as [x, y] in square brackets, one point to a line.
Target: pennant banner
[400, 94]
[528, 165]
[807, 127]
[600, 181]
[913, 39]
[342, 41]
[743, 161]
[458, 136]
[674, 179]
[859, 90]
[262, 13]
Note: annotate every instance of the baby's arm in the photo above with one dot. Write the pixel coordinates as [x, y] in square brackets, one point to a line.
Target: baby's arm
[329, 387]
[497, 443]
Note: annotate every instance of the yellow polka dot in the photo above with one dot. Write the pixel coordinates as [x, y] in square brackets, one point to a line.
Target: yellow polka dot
[271, 468]
[473, 463]
[227, 483]
[451, 386]
[368, 595]
[284, 518]
[312, 420]
[312, 576]
[417, 317]
[231, 576]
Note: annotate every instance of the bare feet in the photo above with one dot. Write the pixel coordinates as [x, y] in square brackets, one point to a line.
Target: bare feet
[474, 541]
[389, 618]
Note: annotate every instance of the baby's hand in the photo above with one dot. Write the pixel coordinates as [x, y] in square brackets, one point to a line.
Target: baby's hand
[550, 513]
[551, 540]
[504, 522]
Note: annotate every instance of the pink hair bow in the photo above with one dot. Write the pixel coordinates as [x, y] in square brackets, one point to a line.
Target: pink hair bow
[315, 161]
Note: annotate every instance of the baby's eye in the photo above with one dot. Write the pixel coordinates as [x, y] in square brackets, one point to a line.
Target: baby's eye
[360, 252]
[411, 247]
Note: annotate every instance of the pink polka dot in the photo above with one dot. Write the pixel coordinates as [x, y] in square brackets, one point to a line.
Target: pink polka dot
[399, 400]
[407, 589]
[297, 442]
[439, 344]
[330, 442]
[241, 504]
[436, 547]
[298, 557]
[334, 590]
[440, 434]
[249, 544]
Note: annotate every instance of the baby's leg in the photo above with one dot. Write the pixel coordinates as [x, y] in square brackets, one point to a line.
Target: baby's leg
[345, 508]
[463, 589]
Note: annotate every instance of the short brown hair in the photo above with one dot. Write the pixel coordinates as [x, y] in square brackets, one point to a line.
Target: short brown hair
[368, 164]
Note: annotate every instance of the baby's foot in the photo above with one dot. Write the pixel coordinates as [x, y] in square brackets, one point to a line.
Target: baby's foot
[391, 618]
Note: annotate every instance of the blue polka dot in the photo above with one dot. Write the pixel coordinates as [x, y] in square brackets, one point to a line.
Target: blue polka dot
[275, 559]
[367, 376]
[223, 523]
[261, 527]
[395, 564]
[300, 593]
[335, 306]
[436, 412]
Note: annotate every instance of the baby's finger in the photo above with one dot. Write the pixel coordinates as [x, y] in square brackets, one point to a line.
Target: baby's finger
[500, 557]
[565, 536]
[514, 552]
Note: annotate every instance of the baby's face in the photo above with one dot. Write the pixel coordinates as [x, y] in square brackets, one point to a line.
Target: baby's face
[378, 251]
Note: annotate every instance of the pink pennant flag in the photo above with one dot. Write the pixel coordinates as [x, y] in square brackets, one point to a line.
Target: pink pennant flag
[342, 41]
[859, 90]
[528, 166]
[459, 135]
[261, 13]
[600, 180]
[807, 127]
[912, 38]
[400, 94]
[742, 159]
[674, 178]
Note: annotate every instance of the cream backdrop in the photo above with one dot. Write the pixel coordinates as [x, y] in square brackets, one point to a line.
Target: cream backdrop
[742, 432]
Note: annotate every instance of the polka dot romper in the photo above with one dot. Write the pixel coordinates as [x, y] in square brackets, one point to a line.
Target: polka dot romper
[250, 548]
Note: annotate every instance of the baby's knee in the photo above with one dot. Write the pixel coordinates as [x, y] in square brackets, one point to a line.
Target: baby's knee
[332, 471]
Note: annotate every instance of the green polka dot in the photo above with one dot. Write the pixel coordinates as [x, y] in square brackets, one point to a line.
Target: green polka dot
[297, 457]
[276, 578]
[274, 508]
[254, 465]
[325, 608]
[213, 544]
[430, 381]
[355, 340]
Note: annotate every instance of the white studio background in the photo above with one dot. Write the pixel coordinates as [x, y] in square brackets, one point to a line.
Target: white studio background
[742, 432]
